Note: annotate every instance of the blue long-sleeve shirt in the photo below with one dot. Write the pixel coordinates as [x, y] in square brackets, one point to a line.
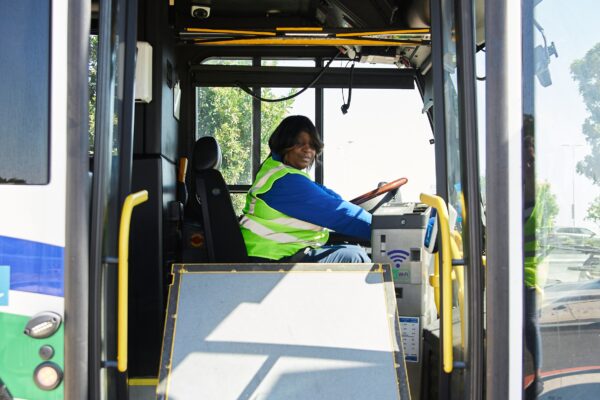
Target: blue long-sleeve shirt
[301, 198]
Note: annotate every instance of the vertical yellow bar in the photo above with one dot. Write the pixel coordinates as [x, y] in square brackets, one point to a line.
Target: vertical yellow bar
[446, 315]
[123, 275]
[460, 279]
[434, 281]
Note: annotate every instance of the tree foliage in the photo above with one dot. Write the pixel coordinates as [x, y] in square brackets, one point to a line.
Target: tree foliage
[226, 114]
[593, 211]
[586, 72]
[92, 74]
[545, 197]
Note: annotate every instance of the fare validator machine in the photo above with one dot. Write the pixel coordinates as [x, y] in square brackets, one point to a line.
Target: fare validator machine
[400, 237]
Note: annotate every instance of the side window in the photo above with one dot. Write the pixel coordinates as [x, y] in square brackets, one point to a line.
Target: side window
[562, 274]
[227, 113]
[402, 150]
[24, 97]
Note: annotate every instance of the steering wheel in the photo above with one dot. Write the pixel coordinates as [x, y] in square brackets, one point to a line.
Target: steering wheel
[389, 190]
[369, 201]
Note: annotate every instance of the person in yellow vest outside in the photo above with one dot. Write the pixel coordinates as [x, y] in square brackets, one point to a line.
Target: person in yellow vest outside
[535, 250]
[287, 216]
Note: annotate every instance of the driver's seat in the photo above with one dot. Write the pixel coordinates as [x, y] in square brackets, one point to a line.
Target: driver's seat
[210, 196]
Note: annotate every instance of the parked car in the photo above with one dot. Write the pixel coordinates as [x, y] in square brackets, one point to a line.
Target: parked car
[571, 235]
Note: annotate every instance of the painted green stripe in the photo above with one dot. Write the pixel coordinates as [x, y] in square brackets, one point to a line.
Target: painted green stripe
[19, 356]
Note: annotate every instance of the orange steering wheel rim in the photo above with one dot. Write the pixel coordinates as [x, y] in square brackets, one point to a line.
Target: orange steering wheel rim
[388, 187]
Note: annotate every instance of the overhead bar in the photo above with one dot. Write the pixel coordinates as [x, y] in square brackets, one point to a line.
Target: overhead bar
[307, 41]
[339, 32]
[364, 78]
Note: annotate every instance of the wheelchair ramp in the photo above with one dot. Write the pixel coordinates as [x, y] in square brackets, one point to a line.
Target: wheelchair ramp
[268, 331]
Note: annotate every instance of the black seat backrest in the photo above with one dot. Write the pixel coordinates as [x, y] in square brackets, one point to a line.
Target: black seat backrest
[224, 241]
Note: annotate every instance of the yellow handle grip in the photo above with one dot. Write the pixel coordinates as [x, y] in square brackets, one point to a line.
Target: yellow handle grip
[131, 201]
[434, 281]
[446, 315]
[460, 280]
[459, 272]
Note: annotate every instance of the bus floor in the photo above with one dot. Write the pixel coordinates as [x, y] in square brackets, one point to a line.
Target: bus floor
[142, 388]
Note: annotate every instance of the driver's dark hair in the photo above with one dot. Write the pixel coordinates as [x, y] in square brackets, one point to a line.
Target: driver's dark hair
[286, 134]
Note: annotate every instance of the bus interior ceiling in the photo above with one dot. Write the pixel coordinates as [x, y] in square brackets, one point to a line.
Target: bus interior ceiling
[182, 34]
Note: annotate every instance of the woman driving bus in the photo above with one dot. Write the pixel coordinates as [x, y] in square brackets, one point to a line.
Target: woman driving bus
[287, 216]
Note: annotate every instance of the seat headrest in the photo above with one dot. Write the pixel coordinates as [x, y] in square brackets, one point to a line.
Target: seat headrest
[207, 154]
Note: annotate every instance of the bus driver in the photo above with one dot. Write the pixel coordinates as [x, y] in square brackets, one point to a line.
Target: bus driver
[287, 216]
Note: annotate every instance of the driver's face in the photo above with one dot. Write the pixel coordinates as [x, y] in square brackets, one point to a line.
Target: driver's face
[302, 155]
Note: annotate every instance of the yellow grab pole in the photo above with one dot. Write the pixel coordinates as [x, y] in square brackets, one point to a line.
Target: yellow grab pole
[459, 272]
[434, 281]
[460, 279]
[130, 201]
[446, 315]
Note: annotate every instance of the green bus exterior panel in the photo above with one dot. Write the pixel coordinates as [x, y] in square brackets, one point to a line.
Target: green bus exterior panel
[19, 356]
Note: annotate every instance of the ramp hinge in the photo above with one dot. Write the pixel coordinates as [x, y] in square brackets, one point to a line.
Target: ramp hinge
[459, 365]
[110, 260]
[109, 364]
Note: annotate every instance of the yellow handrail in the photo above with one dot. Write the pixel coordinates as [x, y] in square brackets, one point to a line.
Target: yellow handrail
[131, 201]
[459, 273]
[446, 315]
[460, 279]
[434, 281]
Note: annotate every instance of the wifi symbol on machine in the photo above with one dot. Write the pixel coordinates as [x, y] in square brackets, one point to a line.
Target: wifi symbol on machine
[398, 256]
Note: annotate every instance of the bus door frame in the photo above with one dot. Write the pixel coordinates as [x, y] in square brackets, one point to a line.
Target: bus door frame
[468, 146]
[77, 203]
[504, 247]
[104, 222]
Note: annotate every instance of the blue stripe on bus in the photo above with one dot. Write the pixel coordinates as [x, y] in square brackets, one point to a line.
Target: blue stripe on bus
[34, 267]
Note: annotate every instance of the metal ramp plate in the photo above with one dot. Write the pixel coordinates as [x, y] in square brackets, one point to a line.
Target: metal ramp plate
[282, 331]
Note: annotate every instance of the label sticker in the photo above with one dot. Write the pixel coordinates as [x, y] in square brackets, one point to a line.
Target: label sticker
[411, 338]
[4, 284]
